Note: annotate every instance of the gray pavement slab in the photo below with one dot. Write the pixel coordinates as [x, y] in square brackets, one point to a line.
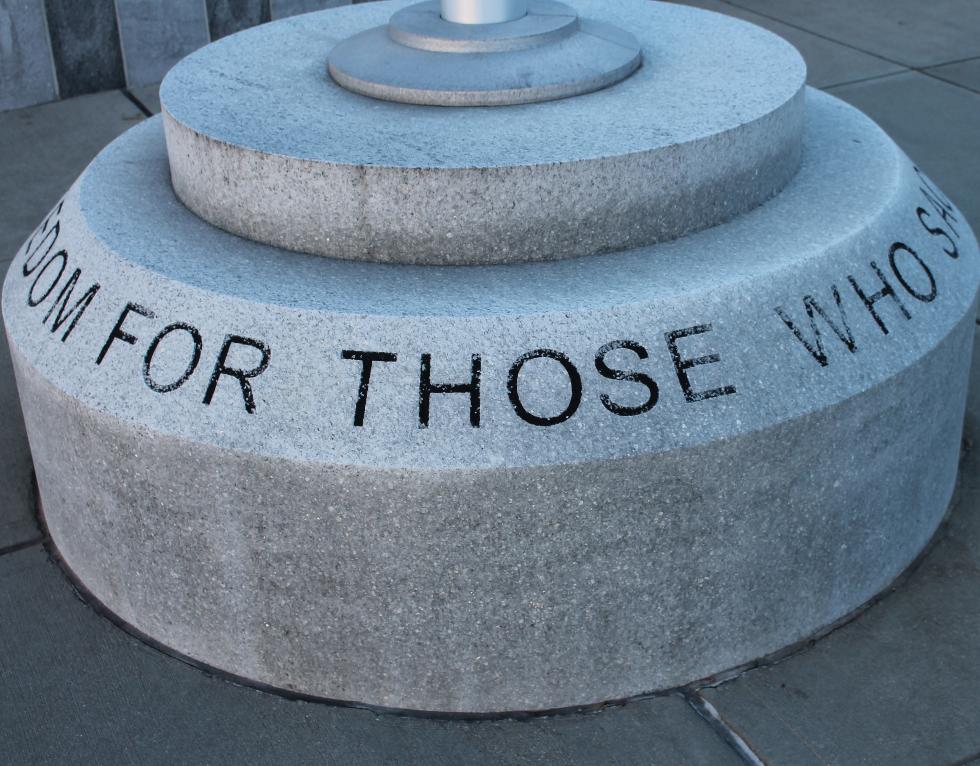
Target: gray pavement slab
[909, 32]
[966, 74]
[899, 684]
[43, 150]
[76, 689]
[935, 123]
[17, 523]
[828, 63]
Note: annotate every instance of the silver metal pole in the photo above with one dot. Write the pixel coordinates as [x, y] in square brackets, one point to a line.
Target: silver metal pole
[483, 11]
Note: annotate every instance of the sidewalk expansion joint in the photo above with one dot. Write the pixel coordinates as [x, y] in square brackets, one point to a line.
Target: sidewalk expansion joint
[39, 540]
[860, 80]
[724, 729]
[137, 103]
[943, 80]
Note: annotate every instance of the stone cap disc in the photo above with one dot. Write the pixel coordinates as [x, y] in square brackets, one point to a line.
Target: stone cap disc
[420, 58]
[264, 144]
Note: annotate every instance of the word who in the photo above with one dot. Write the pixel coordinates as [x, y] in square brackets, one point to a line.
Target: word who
[914, 279]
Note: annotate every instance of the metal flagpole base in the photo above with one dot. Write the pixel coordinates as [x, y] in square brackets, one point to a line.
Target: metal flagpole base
[421, 58]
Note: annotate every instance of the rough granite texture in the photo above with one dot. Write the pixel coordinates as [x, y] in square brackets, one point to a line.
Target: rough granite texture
[513, 565]
[265, 145]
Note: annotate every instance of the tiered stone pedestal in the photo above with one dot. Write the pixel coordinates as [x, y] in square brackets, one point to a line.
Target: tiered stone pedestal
[511, 486]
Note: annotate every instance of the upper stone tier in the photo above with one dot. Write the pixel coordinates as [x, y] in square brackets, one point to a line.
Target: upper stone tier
[263, 143]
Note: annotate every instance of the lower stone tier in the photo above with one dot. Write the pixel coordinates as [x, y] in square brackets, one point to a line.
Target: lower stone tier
[500, 488]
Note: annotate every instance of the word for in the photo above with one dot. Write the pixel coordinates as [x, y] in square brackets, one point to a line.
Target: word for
[221, 366]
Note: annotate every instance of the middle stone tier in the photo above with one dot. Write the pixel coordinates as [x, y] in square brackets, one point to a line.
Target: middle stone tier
[264, 144]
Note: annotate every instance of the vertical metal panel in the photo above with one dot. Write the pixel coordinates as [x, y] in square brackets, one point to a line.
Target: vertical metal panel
[85, 44]
[280, 9]
[26, 69]
[156, 35]
[226, 17]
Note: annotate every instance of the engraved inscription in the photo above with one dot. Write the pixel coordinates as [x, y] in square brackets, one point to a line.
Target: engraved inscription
[169, 354]
[46, 267]
[887, 293]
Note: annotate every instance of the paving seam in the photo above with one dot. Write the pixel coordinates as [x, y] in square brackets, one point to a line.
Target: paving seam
[859, 80]
[948, 63]
[967, 88]
[23, 546]
[732, 737]
[34, 500]
[136, 102]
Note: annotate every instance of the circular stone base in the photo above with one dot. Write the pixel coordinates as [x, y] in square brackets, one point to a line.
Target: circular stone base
[707, 129]
[419, 58]
[516, 487]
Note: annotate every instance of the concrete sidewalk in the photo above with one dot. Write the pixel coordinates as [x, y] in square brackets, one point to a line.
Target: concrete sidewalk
[900, 684]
